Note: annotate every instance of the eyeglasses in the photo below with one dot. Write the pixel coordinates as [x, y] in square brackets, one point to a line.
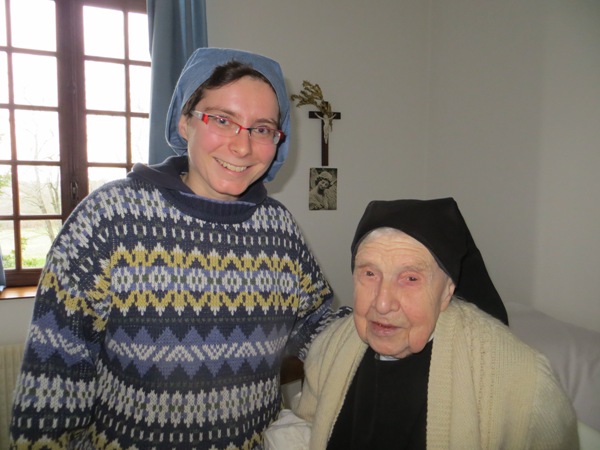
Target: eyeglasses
[228, 128]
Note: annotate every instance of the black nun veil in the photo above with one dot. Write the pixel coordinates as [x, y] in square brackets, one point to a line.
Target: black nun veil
[439, 226]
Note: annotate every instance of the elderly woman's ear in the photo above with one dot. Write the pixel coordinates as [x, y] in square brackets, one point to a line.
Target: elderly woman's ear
[448, 293]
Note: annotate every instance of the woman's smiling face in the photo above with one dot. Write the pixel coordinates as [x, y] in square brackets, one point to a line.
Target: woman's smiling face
[399, 293]
[222, 168]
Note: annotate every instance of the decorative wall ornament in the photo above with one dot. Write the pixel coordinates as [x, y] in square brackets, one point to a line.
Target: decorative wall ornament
[322, 195]
[311, 94]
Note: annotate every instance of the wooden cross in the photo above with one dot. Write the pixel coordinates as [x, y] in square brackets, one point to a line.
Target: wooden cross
[324, 145]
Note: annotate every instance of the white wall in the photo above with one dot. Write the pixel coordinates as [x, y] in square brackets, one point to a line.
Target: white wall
[371, 60]
[515, 136]
[567, 245]
[15, 316]
[494, 103]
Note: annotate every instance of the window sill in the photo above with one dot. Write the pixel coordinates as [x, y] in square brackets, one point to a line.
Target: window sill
[13, 293]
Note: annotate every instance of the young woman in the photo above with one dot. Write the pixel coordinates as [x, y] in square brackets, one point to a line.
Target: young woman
[169, 297]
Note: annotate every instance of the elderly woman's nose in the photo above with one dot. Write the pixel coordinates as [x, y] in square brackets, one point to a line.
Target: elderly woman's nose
[385, 300]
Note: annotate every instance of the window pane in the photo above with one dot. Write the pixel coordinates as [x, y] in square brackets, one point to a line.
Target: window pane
[2, 24]
[102, 175]
[103, 32]
[105, 86]
[106, 139]
[140, 88]
[3, 78]
[138, 37]
[6, 198]
[139, 140]
[7, 243]
[36, 238]
[37, 136]
[33, 24]
[30, 87]
[4, 135]
[39, 189]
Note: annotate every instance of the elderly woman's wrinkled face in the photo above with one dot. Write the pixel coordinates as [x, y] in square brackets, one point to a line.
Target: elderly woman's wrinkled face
[399, 292]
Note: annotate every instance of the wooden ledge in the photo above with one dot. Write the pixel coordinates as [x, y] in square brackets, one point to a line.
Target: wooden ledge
[18, 292]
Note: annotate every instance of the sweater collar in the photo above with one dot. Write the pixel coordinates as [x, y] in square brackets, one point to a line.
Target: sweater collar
[166, 177]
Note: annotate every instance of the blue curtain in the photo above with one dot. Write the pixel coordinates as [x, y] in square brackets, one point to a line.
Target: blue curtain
[177, 28]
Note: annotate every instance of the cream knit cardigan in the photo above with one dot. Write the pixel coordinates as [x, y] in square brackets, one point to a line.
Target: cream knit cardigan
[487, 389]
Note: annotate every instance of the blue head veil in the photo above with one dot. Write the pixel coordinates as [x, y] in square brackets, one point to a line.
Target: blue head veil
[200, 67]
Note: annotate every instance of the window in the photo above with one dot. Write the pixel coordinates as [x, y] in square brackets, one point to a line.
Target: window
[74, 108]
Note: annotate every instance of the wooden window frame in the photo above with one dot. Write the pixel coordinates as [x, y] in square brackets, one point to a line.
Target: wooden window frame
[71, 117]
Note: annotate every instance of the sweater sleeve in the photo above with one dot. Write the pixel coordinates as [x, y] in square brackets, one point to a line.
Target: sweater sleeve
[326, 355]
[56, 387]
[505, 387]
[315, 303]
[553, 420]
[330, 367]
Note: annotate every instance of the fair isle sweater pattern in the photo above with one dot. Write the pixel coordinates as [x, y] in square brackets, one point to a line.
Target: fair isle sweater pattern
[154, 328]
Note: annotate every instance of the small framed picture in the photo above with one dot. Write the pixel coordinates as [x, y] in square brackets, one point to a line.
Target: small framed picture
[322, 193]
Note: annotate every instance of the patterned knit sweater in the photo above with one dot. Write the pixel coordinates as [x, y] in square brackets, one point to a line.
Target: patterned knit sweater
[161, 319]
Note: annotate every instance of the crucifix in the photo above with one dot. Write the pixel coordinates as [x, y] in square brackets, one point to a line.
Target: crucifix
[311, 94]
[325, 130]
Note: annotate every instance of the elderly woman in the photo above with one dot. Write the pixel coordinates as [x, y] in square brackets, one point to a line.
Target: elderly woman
[420, 364]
